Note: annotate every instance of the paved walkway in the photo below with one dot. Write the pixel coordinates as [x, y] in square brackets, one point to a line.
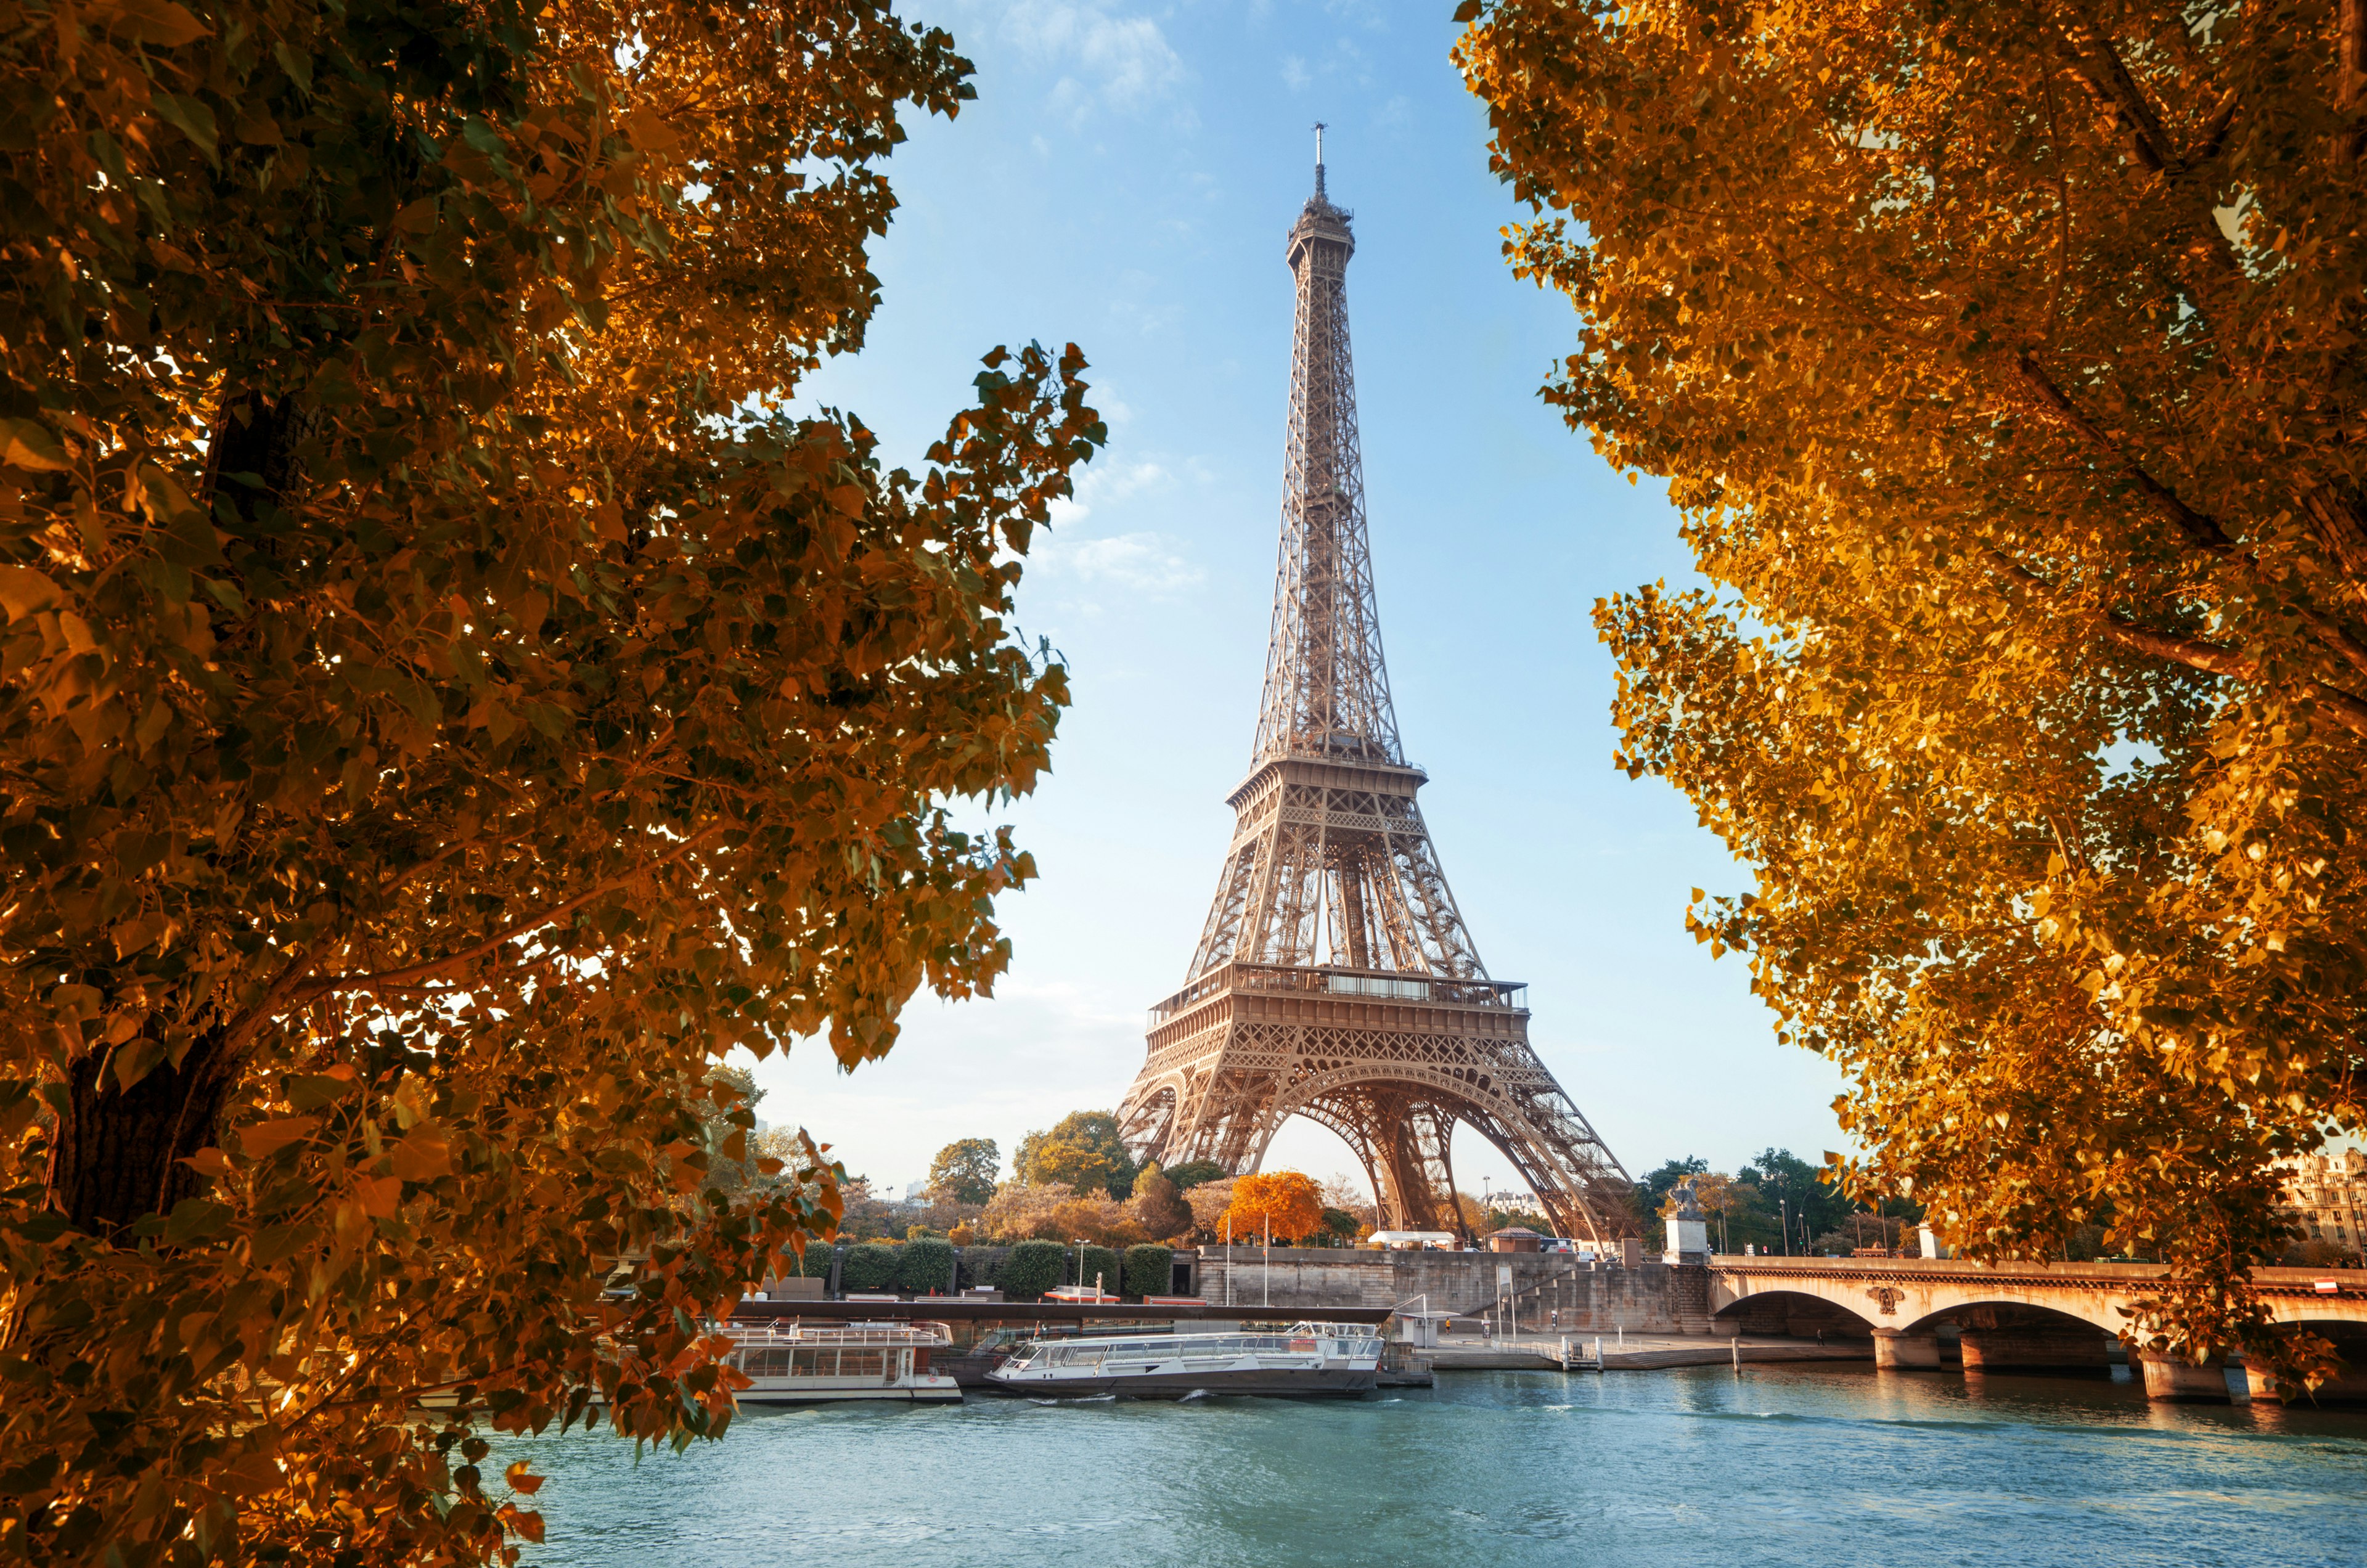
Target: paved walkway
[1641, 1351]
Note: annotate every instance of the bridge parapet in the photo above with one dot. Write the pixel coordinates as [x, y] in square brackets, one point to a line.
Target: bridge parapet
[1904, 1292]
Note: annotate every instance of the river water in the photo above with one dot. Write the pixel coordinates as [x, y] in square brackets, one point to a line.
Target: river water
[1824, 1465]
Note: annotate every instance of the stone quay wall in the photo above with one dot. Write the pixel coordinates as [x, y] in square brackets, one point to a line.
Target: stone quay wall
[1549, 1288]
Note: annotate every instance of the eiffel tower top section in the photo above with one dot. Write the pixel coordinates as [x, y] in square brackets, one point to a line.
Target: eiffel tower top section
[1327, 688]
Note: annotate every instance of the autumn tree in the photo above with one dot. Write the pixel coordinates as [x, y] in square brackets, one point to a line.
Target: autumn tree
[1158, 1207]
[446, 704]
[964, 1170]
[1082, 1150]
[2005, 362]
[1281, 1203]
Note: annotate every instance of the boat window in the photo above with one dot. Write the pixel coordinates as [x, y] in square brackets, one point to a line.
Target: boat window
[861, 1363]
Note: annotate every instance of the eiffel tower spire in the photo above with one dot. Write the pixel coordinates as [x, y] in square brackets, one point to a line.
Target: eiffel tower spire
[1335, 978]
[1327, 689]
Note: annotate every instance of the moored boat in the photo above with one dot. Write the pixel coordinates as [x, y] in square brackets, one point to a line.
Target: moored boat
[1306, 1359]
[797, 1363]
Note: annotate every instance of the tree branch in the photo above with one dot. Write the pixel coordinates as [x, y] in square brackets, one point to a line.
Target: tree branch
[2350, 89]
[2199, 529]
[2108, 79]
[409, 976]
[2195, 653]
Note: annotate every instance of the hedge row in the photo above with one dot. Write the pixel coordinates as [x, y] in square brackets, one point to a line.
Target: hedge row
[1022, 1273]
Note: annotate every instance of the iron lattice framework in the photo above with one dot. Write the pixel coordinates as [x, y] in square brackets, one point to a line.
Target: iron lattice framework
[1335, 978]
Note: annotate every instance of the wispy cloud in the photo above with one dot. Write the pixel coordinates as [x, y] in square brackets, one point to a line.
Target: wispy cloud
[1140, 560]
[1107, 61]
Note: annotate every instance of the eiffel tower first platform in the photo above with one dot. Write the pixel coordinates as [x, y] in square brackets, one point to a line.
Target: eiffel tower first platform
[1334, 979]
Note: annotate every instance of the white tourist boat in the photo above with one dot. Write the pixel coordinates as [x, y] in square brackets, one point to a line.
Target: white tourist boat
[798, 1364]
[1306, 1358]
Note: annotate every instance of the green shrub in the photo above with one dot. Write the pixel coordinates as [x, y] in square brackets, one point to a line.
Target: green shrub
[816, 1264]
[980, 1264]
[867, 1267]
[1101, 1262]
[1149, 1269]
[1031, 1269]
[927, 1264]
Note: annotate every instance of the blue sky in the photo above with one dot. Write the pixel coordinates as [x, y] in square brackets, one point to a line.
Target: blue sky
[1124, 181]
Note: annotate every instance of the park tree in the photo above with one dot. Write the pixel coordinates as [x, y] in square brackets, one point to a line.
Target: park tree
[1281, 1203]
[2004, 363]
[964, 1170]
[1193, 1172]
[446, 704]
[1082, 1150]
[1159, 1208]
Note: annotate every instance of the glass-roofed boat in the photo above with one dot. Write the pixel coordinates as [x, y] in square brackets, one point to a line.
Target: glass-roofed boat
[797, 1363]
[1305, 1359]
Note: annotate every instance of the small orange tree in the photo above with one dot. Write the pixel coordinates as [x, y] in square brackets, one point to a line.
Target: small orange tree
[1281, 1203]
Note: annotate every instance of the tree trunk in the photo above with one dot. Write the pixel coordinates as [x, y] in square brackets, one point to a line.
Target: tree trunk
[117, 1153]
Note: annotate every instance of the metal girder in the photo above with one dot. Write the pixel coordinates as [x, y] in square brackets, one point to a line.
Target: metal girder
[1309, 993]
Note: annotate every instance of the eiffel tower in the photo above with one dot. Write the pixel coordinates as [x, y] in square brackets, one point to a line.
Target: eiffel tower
[1334, 979]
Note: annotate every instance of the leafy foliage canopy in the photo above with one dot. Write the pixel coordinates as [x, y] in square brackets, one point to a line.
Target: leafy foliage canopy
[2006, 362]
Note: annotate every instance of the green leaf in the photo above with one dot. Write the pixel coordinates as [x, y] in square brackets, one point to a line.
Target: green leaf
[194, 1219]
[191, 118]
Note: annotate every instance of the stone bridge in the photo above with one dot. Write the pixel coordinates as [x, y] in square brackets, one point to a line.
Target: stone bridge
[2018, 1316]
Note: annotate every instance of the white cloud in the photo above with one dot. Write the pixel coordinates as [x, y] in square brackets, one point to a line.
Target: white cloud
[1139, 561]
[1122, 63]
[1294, 73]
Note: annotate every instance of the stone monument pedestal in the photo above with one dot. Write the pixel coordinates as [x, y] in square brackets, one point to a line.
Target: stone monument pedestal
[1688, 1241]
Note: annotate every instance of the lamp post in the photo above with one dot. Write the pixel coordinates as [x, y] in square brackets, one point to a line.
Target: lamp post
[1269, 1258]
[1228, 1258]
[1786, 1208]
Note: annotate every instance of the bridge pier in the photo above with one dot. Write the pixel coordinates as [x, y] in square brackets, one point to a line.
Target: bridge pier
[2346, 1389]
[1906, 1351]
[2175, 1379]
[2010, 1339]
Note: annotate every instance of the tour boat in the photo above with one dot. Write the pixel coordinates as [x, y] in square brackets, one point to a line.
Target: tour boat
[796, 1364]
[1306, 1358]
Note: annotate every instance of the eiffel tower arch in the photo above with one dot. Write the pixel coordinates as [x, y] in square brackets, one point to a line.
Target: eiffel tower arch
[1335, 978]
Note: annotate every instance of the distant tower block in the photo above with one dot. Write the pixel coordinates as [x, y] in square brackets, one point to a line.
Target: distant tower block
[1334, 979]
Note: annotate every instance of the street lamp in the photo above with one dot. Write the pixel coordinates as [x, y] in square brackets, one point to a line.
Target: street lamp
[1786, 1209]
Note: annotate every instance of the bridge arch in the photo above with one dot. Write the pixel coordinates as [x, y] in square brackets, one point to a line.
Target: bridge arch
[1797, 1315]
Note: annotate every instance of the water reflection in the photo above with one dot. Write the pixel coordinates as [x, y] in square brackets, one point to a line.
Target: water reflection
[1692, 1467]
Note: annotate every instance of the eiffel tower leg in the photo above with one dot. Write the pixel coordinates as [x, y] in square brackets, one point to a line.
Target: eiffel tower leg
[1434, 1130]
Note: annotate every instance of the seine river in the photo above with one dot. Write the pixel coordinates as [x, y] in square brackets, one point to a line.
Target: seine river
[1692, 1469]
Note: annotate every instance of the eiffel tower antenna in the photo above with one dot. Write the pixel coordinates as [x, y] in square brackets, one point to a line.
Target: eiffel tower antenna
[1335, 978]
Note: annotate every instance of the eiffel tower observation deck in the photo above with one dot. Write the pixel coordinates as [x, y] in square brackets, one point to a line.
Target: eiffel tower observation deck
[1335, 978]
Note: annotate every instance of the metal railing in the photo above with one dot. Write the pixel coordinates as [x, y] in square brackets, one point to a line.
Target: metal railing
[1378, 984]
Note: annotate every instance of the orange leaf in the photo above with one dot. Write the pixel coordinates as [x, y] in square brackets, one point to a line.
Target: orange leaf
[380, 1195]
[521, 1480]
[423, 1156]
[208, 1162]
[261, 1140]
